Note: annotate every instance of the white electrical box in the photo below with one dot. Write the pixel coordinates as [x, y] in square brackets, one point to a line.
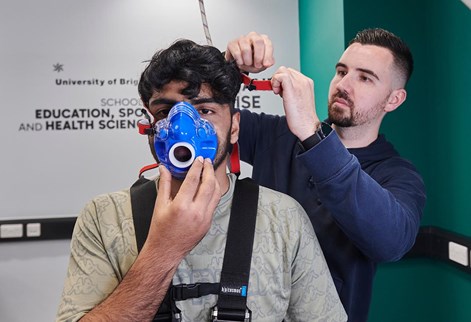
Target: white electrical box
[11, 231]
[458, 253]
[33, 229]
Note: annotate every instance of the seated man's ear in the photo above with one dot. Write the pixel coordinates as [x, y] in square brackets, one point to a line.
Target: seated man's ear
[235, 127]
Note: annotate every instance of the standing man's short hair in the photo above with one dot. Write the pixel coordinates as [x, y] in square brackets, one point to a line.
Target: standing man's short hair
[386, 39]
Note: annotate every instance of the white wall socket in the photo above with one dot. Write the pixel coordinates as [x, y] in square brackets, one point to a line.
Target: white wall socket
[458, 253]
[11, 231]
[33, 229]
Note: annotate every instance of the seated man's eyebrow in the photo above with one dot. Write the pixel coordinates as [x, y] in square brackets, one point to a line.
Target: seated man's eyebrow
[202, 100]
[196, 101]
[162, 101]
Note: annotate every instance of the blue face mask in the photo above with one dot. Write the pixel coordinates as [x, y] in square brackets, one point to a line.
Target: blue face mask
[182, 137]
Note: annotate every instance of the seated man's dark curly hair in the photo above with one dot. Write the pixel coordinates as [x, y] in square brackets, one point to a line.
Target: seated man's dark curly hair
[195, 64]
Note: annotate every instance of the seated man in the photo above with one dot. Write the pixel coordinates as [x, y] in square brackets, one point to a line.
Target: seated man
[109, 279]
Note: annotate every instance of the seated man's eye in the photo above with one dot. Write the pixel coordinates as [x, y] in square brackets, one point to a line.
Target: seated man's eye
[161, 114]
[204, 111]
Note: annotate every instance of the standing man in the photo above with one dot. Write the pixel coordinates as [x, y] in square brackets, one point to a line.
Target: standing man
[109, 280]
[364, 200]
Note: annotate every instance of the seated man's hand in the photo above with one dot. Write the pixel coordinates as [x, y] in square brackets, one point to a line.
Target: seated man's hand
[180, 223]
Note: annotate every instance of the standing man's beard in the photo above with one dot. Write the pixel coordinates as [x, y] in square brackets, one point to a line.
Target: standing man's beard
[339, 116]
[352, 117]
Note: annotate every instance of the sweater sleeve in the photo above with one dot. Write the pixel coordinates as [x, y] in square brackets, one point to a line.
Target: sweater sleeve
[382, 217]
[253, 130]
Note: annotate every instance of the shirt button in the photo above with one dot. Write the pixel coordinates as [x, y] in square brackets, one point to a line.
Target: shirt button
[311, 182]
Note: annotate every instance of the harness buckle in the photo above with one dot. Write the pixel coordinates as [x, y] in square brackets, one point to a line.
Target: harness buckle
[168, 317]
[230, 315]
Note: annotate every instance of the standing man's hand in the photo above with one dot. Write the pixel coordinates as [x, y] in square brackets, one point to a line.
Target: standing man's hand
[253, 52]
[297, 91]
[183, 221]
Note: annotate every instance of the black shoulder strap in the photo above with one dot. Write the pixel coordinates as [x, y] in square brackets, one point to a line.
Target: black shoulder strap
[235, 273]
[232, 299]
[143, 194]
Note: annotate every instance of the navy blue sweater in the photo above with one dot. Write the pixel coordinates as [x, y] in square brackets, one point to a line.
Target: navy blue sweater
[365, 204]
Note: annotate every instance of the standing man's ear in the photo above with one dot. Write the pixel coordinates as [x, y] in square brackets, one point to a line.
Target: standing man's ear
[396, 98]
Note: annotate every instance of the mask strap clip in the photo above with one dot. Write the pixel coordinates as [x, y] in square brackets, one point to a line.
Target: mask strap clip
[145, 126]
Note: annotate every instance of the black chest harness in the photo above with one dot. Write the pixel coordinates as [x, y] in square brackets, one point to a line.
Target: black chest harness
[232, 289]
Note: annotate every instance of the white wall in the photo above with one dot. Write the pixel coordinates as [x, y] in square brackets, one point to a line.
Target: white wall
[31, 279]
[53, 173]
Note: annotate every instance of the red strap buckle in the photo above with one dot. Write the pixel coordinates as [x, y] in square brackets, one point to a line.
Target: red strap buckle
[255, 84]
[144, 127]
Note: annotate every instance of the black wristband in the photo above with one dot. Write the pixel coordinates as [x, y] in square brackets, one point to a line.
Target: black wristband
[314, 139]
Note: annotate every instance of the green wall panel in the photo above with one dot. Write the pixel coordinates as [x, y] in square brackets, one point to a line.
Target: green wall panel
[321, 44]
[420, 290]
[450, 43]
